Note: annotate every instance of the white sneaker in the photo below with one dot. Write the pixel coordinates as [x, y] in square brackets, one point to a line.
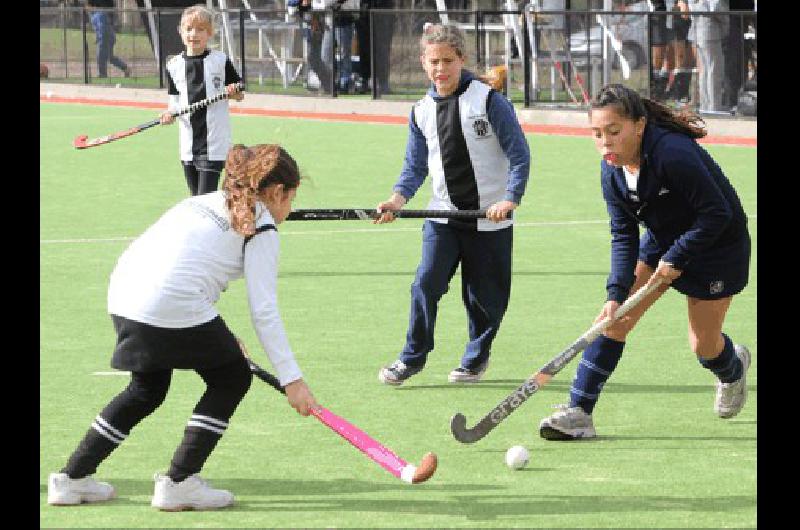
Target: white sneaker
[192, 493]
[731, 396]
[65, 491]
[569, 423]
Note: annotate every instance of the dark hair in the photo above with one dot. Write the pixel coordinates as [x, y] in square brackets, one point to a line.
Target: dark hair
[633, 106]
[250, 170]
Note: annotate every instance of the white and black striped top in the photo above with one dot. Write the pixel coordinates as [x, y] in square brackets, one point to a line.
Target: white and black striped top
[206, 132]
[476, 154]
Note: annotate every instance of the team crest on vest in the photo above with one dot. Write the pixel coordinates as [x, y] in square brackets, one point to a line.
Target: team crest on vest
[217, 82]
[481, 127]
[716, 287]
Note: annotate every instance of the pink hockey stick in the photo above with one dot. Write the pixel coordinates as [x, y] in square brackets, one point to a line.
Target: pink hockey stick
[377, 452]
[358, 438]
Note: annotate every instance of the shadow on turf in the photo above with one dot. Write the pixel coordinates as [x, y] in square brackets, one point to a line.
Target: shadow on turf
[282, 488]
[472, 502]
[610, 388]
[504, 507]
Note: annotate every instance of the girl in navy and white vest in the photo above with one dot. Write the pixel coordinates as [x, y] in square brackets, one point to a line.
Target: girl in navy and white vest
[467, 137]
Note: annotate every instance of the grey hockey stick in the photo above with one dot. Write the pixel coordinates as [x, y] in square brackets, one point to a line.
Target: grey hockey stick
[458, 424]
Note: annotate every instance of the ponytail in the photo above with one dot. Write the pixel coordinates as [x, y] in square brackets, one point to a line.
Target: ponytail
[250, 170]
[631, 105]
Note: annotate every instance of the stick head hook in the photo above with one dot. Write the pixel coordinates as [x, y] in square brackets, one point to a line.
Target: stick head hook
[80, 141]
[426, 468]
[458, 426]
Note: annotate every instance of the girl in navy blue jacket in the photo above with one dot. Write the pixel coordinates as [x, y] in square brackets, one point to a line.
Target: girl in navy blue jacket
[655, 174]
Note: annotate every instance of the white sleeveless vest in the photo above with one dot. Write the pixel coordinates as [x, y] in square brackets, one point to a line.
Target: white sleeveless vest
[490, 165]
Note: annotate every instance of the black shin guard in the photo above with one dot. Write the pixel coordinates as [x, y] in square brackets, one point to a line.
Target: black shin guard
[192, 453]
[93, 449]
[111, 427]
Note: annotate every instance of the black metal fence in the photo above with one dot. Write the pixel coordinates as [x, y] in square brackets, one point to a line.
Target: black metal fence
[550, 58]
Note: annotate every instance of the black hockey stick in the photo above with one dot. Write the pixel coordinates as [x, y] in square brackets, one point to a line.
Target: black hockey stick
[349, 214]
[458, 424]
[82, 141]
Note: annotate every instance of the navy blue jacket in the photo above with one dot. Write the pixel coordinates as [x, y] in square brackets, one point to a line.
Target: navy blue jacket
[685, 201]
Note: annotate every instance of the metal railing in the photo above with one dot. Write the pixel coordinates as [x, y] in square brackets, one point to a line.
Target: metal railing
[552, 58]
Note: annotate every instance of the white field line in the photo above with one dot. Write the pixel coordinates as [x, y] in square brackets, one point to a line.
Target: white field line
[374, 230]
[317, 232]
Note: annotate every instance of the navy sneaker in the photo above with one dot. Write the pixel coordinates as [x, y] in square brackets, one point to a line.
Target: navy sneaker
[396, 373]
[465, 375]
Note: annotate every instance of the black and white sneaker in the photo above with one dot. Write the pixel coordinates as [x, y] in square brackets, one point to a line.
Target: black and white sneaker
[465, 375]
[396, 373]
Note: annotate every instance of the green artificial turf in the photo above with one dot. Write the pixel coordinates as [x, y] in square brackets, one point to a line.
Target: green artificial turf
[662, 458]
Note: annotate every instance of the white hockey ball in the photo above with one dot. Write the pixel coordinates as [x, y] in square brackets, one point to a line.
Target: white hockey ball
[517, 457]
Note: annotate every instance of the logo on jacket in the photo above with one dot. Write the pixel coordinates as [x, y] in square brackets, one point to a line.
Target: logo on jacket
[663, 191]
[716, 287]
[481, 127]
[217, 82]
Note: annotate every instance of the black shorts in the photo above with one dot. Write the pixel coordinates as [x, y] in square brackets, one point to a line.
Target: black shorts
[660, 35]
[145, 348]
[723, 273]
[680, 28]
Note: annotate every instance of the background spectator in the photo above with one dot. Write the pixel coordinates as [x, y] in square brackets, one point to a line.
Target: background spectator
[105, 37]
[734, 68]
[710, 33]
[383, 30]
[682, 52]
[342, 28]
[660, 36]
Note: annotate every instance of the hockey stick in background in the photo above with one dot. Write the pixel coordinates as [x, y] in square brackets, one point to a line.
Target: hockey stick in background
[559, 68]
[82, 141]
[617, 45]
[358, 438]
[458, 424]
[350, 214]
[575, 72]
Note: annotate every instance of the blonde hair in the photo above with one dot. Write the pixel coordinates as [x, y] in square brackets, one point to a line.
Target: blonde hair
[200, 13]
[248, 172]
[444, 34]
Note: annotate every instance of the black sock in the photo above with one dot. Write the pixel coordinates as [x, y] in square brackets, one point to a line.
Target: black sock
[683, 81]
[192, 453]
[97, 444]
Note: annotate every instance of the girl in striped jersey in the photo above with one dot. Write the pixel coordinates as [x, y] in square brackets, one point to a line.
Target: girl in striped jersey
[192, 76]
[161, 299]
[466, 135]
